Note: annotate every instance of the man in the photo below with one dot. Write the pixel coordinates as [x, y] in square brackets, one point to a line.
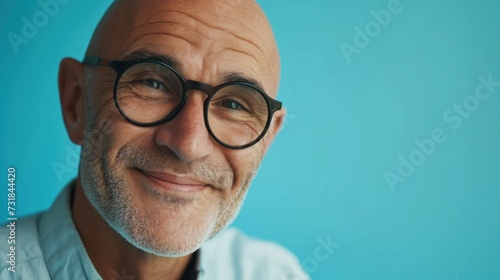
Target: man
[174, 108]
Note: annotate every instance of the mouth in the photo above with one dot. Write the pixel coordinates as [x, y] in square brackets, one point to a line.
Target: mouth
[174, 183]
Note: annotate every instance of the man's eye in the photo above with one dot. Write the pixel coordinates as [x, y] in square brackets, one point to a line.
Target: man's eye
[152, 83]
[231, 104]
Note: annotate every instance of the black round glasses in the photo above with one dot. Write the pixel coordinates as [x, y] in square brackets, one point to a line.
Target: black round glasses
[149, 92]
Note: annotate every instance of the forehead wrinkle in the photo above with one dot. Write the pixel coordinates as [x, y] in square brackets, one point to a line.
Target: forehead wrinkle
[146, 24]
[244, 53]
[240, 23]
[222, 30]
[248, 41]
[195, 33]
[267, 43]
[173, 25]
[137, 41]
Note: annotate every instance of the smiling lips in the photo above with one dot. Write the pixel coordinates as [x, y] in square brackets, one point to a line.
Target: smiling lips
[174, 183]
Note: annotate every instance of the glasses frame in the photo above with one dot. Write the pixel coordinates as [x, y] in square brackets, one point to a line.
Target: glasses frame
[121, 67]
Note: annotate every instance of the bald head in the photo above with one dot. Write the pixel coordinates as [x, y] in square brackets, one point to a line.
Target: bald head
[207, 38]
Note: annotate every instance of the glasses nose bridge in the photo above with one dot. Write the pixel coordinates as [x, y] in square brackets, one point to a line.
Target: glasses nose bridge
[195, 85]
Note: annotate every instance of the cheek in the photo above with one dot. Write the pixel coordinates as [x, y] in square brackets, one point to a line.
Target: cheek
[108, 131]
[244, 164]
[104, 118]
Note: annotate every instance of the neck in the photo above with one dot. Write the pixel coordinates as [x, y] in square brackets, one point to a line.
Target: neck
[113, 256]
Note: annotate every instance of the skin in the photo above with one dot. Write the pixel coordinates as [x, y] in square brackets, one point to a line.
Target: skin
[124, 219]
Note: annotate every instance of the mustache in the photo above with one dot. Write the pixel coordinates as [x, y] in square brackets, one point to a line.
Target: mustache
[204, 170]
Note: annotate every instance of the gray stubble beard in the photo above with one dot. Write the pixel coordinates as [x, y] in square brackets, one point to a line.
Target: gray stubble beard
[108, 193]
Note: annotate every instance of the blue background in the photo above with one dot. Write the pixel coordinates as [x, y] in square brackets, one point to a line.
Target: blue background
[347, 125]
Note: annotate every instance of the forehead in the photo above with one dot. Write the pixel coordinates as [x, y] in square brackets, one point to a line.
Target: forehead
[206, 38]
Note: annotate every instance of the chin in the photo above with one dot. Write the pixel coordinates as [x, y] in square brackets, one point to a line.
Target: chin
[168, 234]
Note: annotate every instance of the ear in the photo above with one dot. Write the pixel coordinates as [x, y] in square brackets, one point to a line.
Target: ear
[276, 125]
[72, 94]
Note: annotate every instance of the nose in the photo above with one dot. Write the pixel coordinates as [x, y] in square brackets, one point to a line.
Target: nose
[186, 135]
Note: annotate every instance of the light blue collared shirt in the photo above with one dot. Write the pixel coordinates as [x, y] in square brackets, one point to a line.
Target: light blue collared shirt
[48, 246]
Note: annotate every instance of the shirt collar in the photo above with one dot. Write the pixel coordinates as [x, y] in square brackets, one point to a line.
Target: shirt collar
[63, 250]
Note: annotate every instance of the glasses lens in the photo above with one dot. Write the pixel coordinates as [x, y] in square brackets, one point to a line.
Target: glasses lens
[148, 92]
[237, 114]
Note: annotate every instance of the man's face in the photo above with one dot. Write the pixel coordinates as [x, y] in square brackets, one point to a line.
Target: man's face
[167, 189]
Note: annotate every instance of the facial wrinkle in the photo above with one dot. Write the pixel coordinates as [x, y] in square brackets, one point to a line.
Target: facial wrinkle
[221, 30]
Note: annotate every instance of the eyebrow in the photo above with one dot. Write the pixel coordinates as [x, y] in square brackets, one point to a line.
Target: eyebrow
[240, 77]
[145, 54]
[170, 61]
